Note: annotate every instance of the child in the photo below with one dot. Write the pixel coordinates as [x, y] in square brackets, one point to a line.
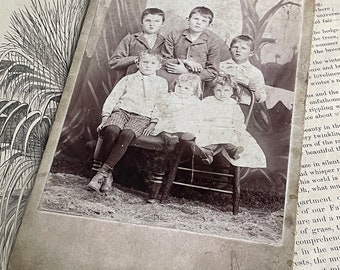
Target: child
[182, 104]
[129, 111]
[127, 51]
[222, 124]
[241, 49]
[193, 50]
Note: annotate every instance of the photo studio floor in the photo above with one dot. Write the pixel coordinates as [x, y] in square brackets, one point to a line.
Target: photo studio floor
[259, 219]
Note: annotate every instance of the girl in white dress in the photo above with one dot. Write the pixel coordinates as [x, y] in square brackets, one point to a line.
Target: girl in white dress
[179, 114]
[222, 127]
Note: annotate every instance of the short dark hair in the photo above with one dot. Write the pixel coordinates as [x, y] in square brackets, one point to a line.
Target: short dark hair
[204, 11]
[243, 38]
[227, 79]
[150, 52]
[153, 11]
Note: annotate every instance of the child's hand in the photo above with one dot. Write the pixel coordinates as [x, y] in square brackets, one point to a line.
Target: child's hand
[252, 87]
[258, 96]
[149, 130]
[100, 127]
[176, 68]
[193, 66]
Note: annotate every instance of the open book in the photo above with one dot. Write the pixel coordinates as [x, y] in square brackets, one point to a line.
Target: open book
[67, 227]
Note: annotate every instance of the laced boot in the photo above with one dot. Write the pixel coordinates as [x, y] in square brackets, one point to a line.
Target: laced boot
[206, 155]
[100, 179]
[97, 181]
[107, 185]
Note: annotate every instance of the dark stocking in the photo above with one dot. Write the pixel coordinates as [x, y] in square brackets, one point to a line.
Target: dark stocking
[123, 141]
[110, 134]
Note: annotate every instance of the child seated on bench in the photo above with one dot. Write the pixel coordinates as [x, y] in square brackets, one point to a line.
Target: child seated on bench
[179, 116]
[129, 111]
[222, 127]
[216, 121]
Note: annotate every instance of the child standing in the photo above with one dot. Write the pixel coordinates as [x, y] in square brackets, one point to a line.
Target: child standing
[241, 49]
[129, 111]
[193, 50]
[222, 125]
[126, 53]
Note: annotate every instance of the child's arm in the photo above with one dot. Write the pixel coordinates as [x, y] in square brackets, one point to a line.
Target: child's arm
[172, 64]
[211, 65]
[180, 66]
[257, 85]
[168, 49]
[259, 91]
[112, 100]
[213, 61]
[159, 106]
[121, 56]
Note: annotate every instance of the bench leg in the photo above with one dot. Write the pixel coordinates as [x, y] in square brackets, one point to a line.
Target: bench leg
[155, 184]
[236, 190]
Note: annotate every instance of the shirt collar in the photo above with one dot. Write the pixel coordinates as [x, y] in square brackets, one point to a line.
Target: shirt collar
[245, 64]
[140, 36]
[139, 74]
[203, 36]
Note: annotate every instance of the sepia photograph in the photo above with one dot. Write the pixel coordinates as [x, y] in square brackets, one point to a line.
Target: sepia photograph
[180, 118]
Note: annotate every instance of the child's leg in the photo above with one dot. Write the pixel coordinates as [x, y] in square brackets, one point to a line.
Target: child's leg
[110, 134]
[106, 137]
[118, 150]
[102, 181]
[97, 156]
[205, 153]
[233, 150]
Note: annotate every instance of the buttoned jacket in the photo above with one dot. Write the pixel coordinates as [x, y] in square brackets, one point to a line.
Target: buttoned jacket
[204, 50]
[129, 48]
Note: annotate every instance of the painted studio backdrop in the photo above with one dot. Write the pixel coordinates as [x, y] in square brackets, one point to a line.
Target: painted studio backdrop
[273, 24]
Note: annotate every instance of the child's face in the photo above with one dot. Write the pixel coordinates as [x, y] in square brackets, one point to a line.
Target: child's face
[240, 51]
[223, 92]
[148, 64]
[198, 23]
[151, 23]
[185, 90]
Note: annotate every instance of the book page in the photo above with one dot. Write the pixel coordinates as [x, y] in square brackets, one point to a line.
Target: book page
[317, 241]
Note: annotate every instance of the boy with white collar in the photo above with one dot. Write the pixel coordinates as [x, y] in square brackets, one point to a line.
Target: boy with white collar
[130, 110]
[241, 49]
